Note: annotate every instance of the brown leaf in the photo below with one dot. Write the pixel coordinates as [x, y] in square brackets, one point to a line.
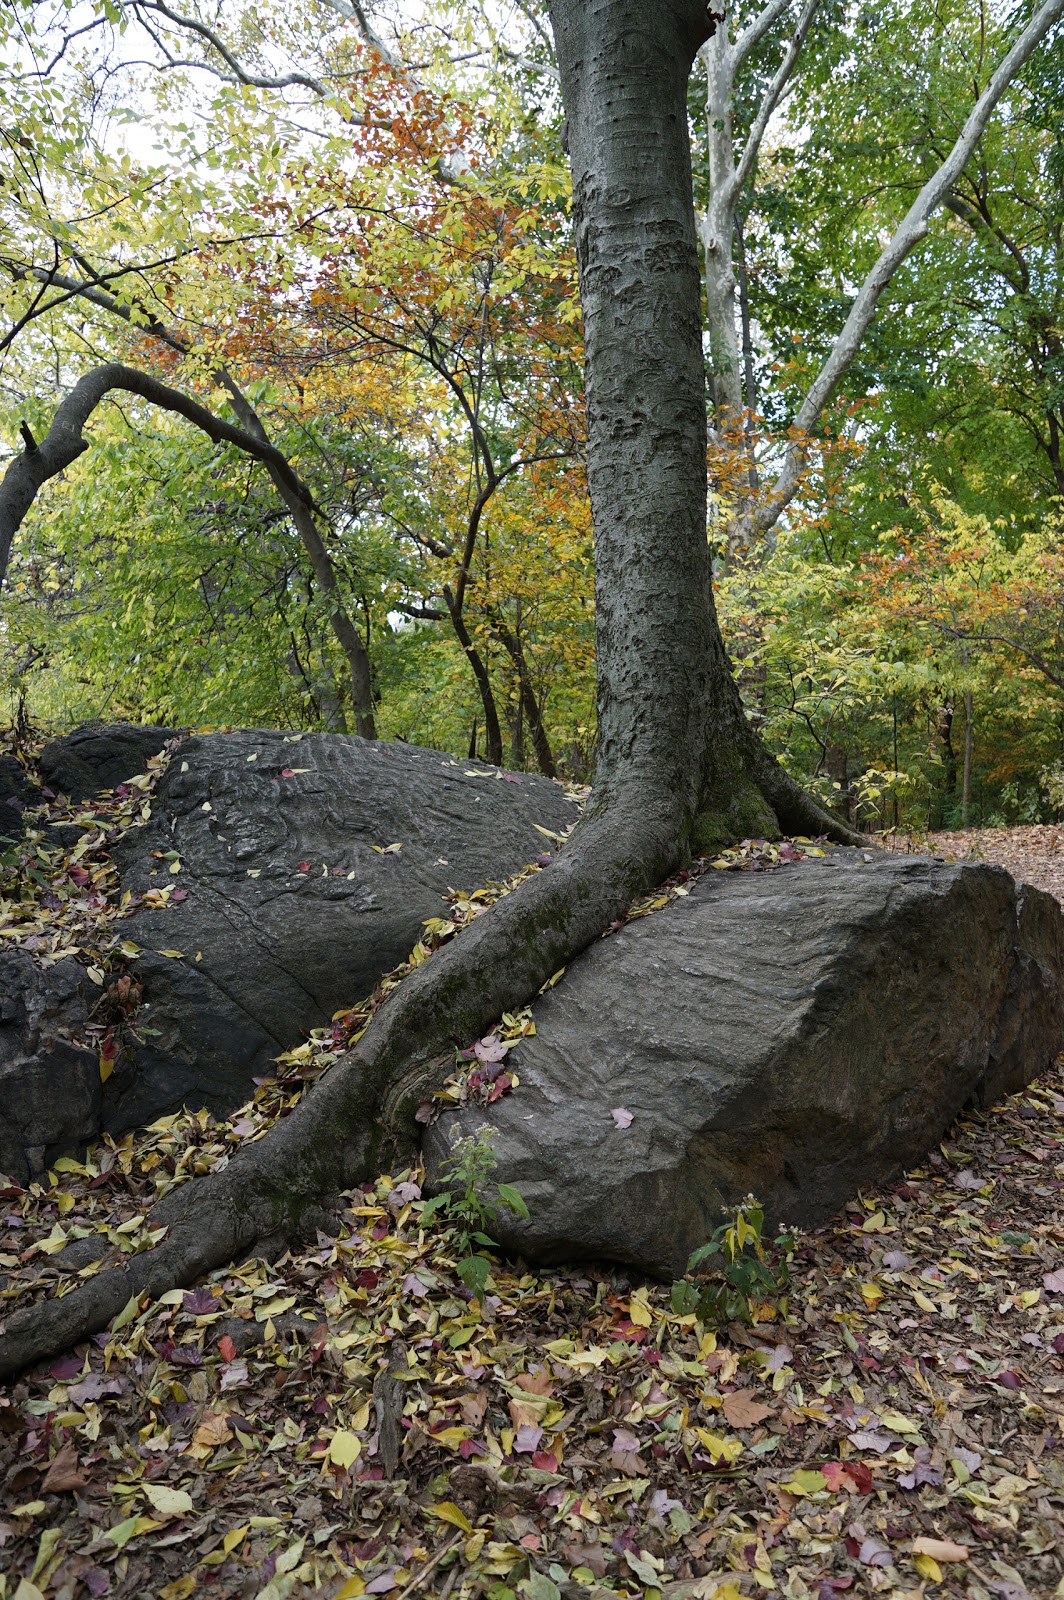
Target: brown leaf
[744, 1410]
[213, 1430]
[536, 1383]
[940, 1549]
[523, 1414]
[473, 1407]
[591, 1556]
[64, 1475]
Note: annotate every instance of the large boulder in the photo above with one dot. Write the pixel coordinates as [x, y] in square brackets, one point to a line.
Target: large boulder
[798, 1034]
[305, 867]
[99, 755]
[50, 1091]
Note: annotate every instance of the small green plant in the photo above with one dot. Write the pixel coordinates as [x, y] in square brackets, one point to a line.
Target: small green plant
[735, 1270]
[467, 1173]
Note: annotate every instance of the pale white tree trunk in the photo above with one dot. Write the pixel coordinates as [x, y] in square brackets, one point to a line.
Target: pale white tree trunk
[752, 523]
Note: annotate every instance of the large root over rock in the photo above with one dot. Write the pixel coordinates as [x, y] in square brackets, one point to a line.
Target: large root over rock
[278, 1190]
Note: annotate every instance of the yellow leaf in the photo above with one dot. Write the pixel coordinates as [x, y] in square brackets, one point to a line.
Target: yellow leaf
[66, 1202]
[179, 1589]
[351, 1589]
[1029, 1297]
[127, 1313]
[928, 1567]
[719, 1448]
[871, 1294]
[168, 1502]
[344, 1448]
[639, 1312]
[447, 1511]
[273, 1308]
[805, 1481]
[923, 1301]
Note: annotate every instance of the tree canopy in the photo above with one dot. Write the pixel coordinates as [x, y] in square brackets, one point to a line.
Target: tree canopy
[345, 233]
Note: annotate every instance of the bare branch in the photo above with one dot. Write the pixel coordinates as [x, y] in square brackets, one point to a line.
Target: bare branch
[773, 95]
[755, 31]
[194, 25]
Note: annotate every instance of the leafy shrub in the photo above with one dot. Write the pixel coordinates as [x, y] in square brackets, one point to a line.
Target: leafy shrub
[734, 1271]
[467, 1174]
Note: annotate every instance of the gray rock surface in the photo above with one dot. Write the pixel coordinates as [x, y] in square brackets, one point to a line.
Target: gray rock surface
[289, 910]
[50, 1096]
[98, 756]
[17, 791]
[798, 1034]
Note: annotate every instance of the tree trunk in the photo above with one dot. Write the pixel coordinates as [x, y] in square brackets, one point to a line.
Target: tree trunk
[511, 643]
[340, 619]
[966, 780]
[492, 728]
[948, 788]
[678, 767]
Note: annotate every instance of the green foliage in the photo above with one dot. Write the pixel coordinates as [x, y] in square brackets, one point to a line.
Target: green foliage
[735, 1270]
[467, 1175]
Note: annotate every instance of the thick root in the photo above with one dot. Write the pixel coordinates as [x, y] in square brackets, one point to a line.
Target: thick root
[273, 1192]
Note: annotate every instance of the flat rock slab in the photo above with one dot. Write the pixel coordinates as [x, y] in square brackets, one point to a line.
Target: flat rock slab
[294, 902]
[798, 1034]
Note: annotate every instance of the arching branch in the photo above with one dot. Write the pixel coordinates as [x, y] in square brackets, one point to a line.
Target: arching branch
[65, 441]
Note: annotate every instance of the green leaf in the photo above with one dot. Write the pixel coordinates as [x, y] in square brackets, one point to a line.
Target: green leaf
[514, 1199]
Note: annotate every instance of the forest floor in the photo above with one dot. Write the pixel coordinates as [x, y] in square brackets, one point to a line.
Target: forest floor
[894, 1426]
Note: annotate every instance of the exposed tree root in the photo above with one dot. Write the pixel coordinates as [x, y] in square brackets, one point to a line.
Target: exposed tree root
[278, 1190]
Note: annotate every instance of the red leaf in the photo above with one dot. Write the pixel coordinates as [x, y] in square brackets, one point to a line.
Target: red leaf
[227, 1348]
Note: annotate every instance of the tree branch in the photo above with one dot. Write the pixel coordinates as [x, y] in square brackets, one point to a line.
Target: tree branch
[65, 442]
[756, 30]
[912, 229]
[772, 96]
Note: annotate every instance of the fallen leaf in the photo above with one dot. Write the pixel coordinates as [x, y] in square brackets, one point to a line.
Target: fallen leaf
[743, 1409]
[940, 1549]
[64, 1475]
[168, 1502]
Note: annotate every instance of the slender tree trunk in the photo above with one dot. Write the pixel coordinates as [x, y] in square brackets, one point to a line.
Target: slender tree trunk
[944, 729]
[749, 382]
[340, 619]
[531, 706]
[969, 745]
[492, 728]
[678, 767]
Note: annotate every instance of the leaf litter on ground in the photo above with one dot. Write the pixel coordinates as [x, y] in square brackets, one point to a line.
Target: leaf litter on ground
[893, 1427]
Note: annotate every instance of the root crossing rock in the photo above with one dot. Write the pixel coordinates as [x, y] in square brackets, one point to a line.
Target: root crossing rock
[798, 1034]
